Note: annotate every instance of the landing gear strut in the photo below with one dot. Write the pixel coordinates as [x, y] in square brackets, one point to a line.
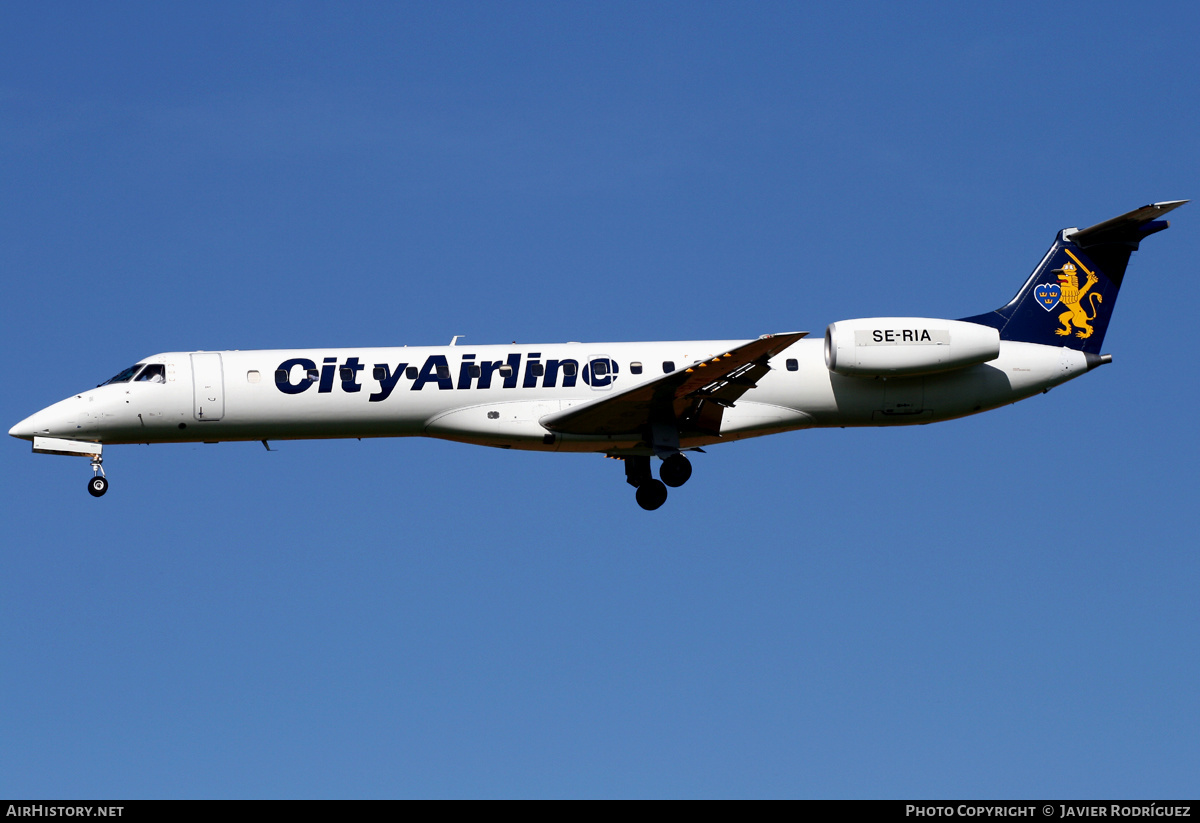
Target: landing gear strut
[98, 485]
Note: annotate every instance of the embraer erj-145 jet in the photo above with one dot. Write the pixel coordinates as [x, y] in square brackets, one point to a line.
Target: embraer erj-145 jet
[633, 401]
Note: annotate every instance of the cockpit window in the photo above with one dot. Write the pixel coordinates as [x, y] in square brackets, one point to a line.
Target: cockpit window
[154, 373]
[123, 377]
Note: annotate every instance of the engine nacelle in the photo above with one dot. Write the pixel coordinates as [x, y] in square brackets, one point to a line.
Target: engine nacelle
[894, 346]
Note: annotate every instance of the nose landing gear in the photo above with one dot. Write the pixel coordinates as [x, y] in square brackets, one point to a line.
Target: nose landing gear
[98, 485]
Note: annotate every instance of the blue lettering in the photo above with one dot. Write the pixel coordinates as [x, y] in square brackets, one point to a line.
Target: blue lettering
[328, 367]
[570, 370]
[486, 369]
[464, 371]
[349, 374]
[600, 372]
[514, 368]
[283, 380]
[435, 370]
[387, 380]
[533, 370]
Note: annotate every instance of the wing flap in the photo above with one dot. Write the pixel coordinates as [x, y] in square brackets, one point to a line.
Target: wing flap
[692, 398]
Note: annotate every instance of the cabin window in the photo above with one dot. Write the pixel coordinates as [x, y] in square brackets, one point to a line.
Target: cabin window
[493, 415]
[475, 371]
[506, 370]
[569, 368]
[281, 376]
[443, 372]
[668, 366]
[792, 365]
[313, 375]
[154, 373]
[599, 368]
[380, 373]
[537, 369]
[411, 372]
[635, 368]
[252, 376]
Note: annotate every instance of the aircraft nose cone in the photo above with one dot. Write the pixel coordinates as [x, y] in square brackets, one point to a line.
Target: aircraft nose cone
[66, 418]
[34, 425]
[24, 430]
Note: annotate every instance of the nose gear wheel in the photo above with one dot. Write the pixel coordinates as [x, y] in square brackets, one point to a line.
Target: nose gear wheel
[98, 485]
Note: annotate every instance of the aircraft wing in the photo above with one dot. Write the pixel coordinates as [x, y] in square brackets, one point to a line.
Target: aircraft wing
[692, 398]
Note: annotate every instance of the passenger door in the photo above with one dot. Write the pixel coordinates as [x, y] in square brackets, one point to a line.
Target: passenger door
[208, 386]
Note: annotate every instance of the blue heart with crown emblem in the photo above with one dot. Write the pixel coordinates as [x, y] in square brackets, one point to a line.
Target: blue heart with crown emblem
[1047, 295]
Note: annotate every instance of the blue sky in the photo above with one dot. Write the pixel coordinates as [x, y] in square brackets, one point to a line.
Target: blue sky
[1002, 606]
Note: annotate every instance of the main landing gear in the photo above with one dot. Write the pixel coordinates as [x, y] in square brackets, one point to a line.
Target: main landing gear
[98, 485]
[675, 470]
[651, 493]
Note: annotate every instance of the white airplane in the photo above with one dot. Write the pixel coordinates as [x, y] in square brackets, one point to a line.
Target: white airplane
[633, 401]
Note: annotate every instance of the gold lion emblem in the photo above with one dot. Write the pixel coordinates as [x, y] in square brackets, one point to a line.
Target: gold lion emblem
[1072, 297]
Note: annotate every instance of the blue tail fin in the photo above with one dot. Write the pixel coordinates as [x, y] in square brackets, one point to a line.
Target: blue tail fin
[1069, 298]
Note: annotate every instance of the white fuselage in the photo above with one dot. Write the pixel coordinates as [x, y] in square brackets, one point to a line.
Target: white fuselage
[495, 395]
